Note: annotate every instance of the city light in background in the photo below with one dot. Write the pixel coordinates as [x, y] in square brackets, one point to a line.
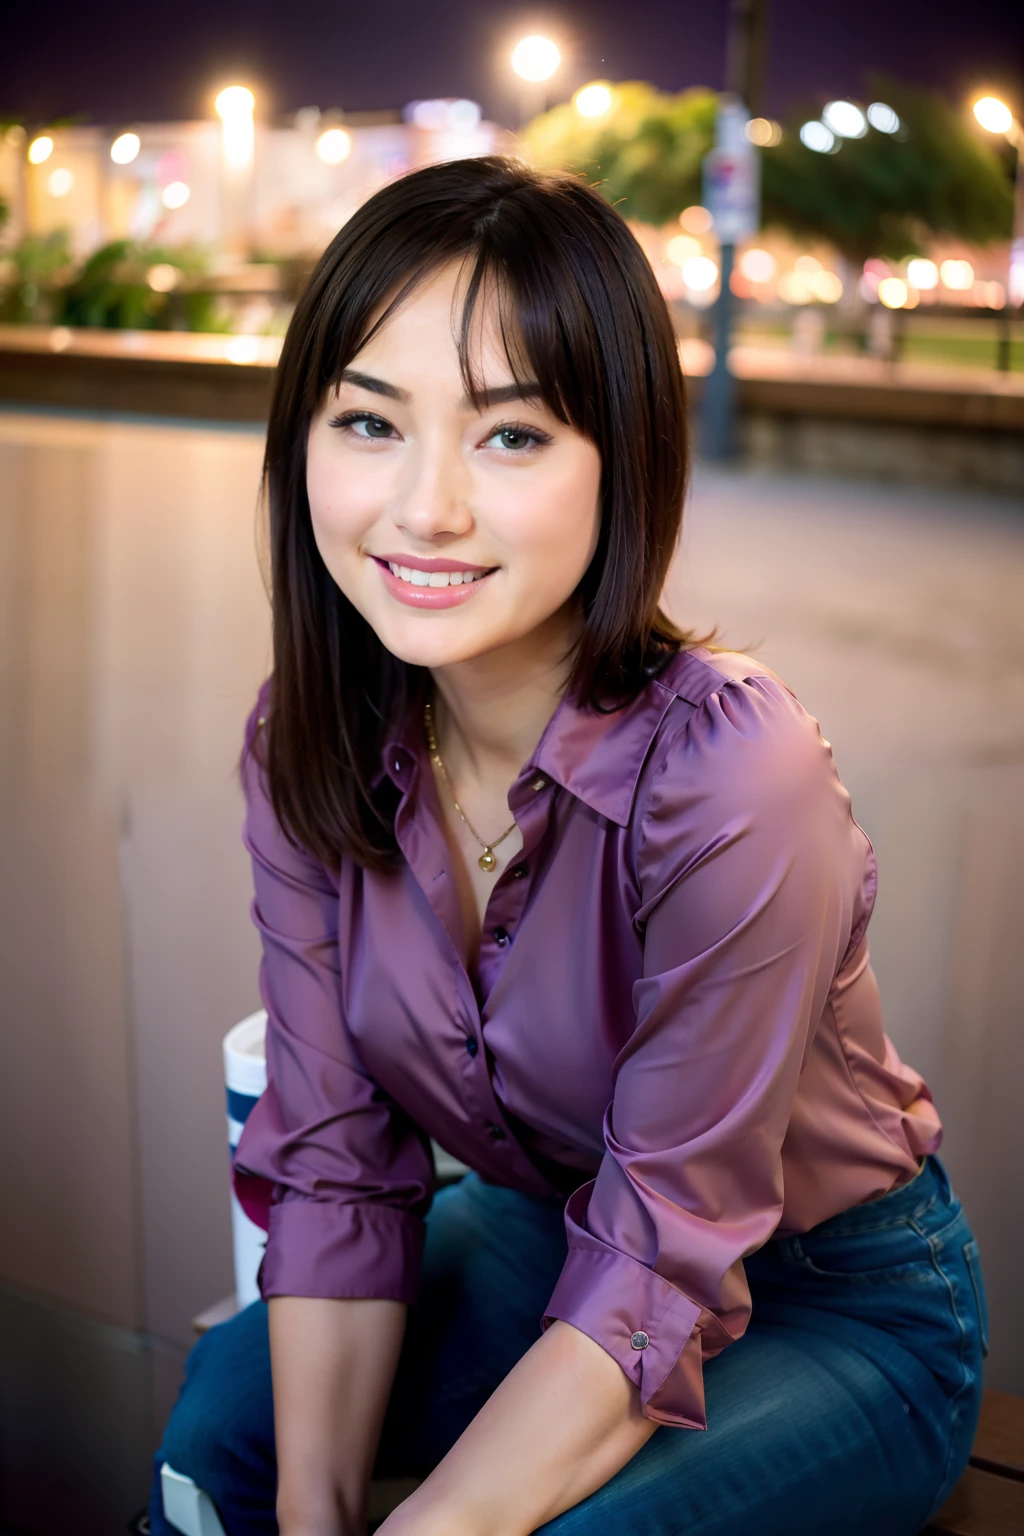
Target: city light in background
[125, 148]
[333, 146]
[993, 114]
[696, 219]
[535, 59]
[40, 149]
[234, 107]
[817, 136]
[594, 100]
[765, 132]
[882, 118]
[845, 120]
[176, 194]
[59, 182]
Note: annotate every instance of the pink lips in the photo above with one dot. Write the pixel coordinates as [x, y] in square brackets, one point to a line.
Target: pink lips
[431, 597]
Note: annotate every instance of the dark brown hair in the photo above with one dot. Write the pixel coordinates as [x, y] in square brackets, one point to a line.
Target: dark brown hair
[582, 315]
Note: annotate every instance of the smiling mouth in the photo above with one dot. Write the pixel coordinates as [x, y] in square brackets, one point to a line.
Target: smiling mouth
[417, 578]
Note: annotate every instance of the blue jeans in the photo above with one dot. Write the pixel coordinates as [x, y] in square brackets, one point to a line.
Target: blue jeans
[849, 1406]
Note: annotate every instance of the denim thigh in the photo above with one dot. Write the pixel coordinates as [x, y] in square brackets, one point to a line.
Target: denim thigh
[851, 1402]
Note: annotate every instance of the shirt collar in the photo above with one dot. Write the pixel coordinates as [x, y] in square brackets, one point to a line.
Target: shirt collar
[596, 757]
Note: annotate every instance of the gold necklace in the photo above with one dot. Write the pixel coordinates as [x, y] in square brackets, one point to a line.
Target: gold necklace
[487, 861]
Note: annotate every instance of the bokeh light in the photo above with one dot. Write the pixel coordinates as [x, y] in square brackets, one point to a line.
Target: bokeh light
[893, 292]
[333, 146]
[757, 266]
[163, 277]
[176, 194]
[795, 288]
[817, 137]
[535, 58]
[827, 287]
[233, 102]
[993, 114]
[845, 120]
[696, 220]
[593, 100]
[807, 265]
[882, 118]
[681, 249]
[700, 273]
[59, 182]
[957, 275]
[764, 132]
[922, 273]
[125, 148]
[40, 149]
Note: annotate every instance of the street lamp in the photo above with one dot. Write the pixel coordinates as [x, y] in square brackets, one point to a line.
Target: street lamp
[996, 117]
[534, 59]
[594, 100]
[234, 107]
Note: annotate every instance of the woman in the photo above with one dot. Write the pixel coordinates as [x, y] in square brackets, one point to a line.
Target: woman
[581, 899]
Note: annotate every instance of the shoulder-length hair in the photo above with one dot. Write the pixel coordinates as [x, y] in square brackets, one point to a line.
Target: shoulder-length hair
[582, 315]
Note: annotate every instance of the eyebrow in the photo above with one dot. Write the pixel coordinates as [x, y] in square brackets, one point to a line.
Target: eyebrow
[502, 394]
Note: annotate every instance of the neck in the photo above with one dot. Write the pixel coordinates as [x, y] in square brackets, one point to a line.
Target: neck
[491, 711]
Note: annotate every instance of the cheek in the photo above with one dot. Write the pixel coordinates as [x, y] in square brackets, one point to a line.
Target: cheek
[341, 502]
[555, 531]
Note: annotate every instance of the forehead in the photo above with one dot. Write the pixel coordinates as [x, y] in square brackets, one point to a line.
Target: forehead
[426, 326]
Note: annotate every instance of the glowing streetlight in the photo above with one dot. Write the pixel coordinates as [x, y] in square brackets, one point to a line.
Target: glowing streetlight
[176, 194]
[125, 148]
[817, 137]
[594, 100]
[922, 274]
[993, 115]
[234, 107]
[40, 149]
[333, 146]
[60, 182]
[893, 292]
[845, 120]
[765, 132]
[882, 118]
[535, 59]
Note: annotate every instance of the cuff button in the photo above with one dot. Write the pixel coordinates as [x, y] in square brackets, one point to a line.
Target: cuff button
[639, 1340]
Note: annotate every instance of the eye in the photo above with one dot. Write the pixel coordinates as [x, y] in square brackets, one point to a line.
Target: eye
[364, 424]
[518, 440]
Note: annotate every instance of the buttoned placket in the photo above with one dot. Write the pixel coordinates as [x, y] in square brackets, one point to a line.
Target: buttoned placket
[420, 836]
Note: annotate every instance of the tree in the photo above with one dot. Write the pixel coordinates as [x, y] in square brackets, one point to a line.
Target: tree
[880, 195]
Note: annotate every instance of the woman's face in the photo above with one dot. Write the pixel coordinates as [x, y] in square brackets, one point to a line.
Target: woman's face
[454, 531]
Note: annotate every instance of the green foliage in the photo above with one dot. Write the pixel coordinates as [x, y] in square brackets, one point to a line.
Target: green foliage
[880, 195]
[34, 269]
[645, 155]
[884, 195]
[111, 290]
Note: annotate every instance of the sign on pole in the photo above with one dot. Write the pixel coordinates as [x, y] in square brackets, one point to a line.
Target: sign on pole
[732, 186]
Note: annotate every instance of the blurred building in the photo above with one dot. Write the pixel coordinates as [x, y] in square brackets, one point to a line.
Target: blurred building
[231, 185]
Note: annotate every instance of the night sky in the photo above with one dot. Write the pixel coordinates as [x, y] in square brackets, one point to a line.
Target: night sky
[117, 63]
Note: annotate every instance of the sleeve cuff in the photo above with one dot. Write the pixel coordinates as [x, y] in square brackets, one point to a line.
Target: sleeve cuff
[612, 1298]
[320, 1248]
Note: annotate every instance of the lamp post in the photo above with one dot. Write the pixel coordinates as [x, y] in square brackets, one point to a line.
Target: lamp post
[732, 194]
[534, 60]
[234, 106]
[995, 117]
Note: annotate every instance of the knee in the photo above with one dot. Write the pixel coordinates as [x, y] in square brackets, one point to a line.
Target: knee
[222, 1423]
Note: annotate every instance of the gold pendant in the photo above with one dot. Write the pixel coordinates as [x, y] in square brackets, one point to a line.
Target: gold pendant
[487, 861]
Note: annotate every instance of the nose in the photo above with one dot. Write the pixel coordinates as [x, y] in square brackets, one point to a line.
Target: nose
[433, 499]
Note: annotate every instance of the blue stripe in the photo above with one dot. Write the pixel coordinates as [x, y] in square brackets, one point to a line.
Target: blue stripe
[241, 1105]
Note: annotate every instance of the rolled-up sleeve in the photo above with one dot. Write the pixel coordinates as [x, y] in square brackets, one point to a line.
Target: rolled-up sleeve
[350, 1174]
[749, 868]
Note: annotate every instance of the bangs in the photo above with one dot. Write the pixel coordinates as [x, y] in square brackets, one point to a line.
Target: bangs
[541, 304]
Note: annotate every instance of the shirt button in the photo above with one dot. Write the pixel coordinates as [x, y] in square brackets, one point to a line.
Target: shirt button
[520, 871]
[471, 1045]
[501, 937]
[538, 783]
[495, 1132]
[639, 1340]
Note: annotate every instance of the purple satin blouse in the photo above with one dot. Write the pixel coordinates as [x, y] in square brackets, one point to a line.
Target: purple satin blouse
[673, 1022]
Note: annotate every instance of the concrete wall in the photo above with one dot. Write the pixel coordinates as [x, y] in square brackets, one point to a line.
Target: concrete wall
[133, 633]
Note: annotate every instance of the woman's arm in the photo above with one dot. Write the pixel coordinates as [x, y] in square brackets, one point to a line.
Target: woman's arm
[333, 1364]
[563, 1422]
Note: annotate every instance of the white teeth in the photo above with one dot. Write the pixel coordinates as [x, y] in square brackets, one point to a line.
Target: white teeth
[434, 578]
